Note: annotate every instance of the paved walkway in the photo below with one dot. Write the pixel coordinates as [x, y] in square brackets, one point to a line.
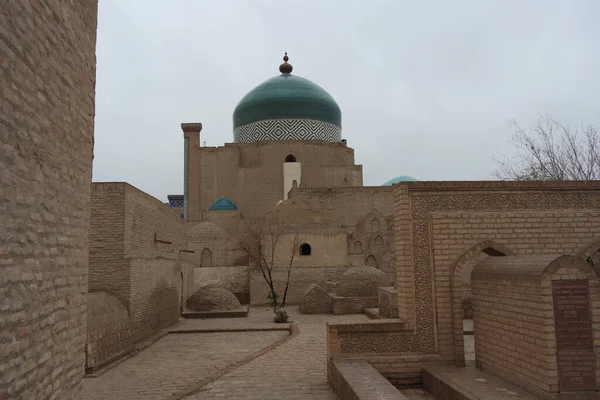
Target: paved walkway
[295, 369]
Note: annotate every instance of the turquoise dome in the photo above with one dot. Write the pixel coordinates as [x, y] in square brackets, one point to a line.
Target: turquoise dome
[401, 178]
[287, 107]
[287, 96]
[223, 205]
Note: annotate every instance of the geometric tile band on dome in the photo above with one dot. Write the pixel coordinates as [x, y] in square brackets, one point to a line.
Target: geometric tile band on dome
[287, 129]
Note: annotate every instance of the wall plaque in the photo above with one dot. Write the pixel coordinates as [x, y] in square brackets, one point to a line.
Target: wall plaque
[574, 341]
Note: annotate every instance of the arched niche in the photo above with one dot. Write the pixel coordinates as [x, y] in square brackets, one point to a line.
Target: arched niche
[305, 249]
[206, 258]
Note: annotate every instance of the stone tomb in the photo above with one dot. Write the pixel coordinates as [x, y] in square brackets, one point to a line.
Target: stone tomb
[536, 319]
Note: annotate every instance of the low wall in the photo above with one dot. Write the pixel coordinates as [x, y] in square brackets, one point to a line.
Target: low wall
[108, 329]
[300, 280]
[362, 342]
[533, 330]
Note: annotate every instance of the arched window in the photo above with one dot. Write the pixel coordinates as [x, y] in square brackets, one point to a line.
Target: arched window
[206, 258]
[305, 249]
[375, 225]
[378, 242]
[290, 158]
[358, 247]
[371, 261]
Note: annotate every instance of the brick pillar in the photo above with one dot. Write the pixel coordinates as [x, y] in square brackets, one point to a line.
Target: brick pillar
[191, 171]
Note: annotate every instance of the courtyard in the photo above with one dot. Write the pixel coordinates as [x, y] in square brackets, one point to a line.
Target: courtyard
[230, 358]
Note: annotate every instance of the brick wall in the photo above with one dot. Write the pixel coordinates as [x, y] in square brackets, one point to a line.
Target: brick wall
[251, 175]
[108, 267]
[155, 301]
[456, 244]
[341, 206]
[400, 369]
[137, 243]
[429, 256]
[47, 74]
[514, 319]
[108, 329]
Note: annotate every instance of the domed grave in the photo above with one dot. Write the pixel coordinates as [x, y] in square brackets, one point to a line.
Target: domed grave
[358, 290]
[213, 301]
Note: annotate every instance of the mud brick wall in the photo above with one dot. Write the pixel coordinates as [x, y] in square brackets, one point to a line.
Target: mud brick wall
[108, 329]
[136, 242]
[47, 79]
[108, 268]
[514, 317]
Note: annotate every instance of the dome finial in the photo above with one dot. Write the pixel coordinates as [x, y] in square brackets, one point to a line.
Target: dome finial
[285, 68]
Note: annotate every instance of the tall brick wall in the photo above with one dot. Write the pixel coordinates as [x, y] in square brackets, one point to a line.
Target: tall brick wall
[108, 267]
[514, 319]
[337, 206]
[251, 175]
[47, 74]
[137, 243]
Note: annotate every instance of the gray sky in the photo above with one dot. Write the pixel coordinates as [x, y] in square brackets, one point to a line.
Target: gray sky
[426, 88]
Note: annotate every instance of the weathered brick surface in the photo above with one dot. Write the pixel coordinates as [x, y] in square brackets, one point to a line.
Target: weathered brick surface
[136, 244]
[108, 269]
[456, 236]
[47, 75]
[108, 329]
[357, 379]
[514, 318]
[251, 174]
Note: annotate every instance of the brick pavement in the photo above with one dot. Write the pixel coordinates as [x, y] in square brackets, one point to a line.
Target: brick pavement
[295, 369]
[174, 363]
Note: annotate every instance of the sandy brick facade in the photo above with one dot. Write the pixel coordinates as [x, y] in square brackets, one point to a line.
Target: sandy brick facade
[251, 174]
[138, 247]
[47, 70]
[514, 320]
[441, 226]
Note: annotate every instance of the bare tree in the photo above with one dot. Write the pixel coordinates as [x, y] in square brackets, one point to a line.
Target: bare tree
[551, 151]
[262, 242]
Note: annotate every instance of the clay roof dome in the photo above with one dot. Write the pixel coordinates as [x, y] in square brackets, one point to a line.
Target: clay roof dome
[288, 98]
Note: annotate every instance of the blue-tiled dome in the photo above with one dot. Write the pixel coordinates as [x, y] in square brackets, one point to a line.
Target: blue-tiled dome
[223, 205]
[401, 178]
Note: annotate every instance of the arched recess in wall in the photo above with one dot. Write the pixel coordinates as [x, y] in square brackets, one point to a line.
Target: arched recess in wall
[591, 254]
[206, 258]
[375, 225]
[378, 241]
[305, 249]
[371, 261]
[466, 262]
[357, 247]
[290, 158]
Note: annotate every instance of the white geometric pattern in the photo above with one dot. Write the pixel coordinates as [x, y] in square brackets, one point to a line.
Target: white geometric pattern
[287, 129]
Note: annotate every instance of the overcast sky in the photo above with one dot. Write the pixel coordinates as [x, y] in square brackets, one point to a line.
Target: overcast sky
[426, 88]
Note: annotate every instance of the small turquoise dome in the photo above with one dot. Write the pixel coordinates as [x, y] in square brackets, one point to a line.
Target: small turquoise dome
[223, 205]
[401, 178]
